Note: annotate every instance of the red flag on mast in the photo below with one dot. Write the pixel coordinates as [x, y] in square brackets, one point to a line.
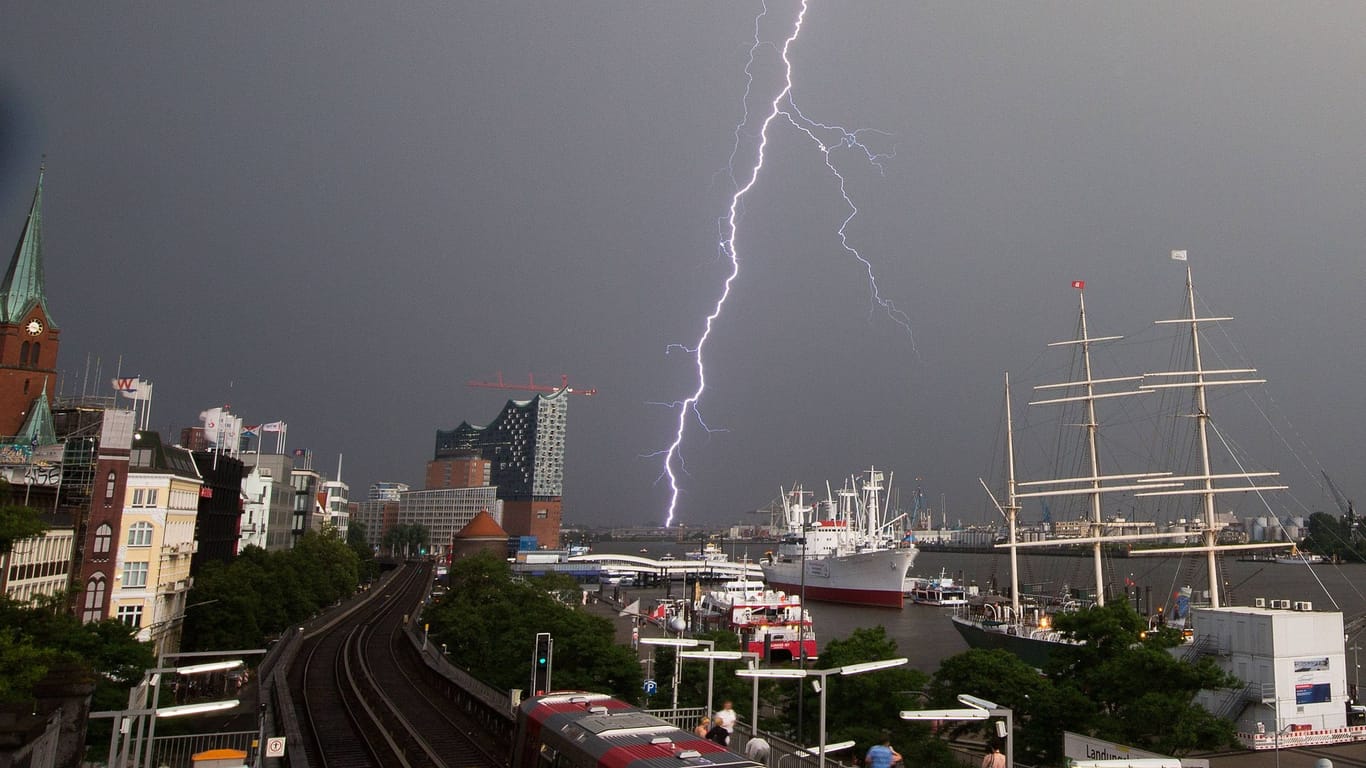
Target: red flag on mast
[1079, 284]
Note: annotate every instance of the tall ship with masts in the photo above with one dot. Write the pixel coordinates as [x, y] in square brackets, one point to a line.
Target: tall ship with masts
[842, 551]
[1025, 627]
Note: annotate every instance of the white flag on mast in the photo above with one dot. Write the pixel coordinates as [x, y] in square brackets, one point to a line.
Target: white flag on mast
[1179, 255]
[133, 388]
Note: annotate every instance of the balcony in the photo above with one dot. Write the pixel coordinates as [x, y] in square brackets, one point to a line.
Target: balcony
[181, 549]
[175, 587]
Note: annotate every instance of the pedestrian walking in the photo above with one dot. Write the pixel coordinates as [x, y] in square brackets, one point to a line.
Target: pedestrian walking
[882, 755]
[994, 758]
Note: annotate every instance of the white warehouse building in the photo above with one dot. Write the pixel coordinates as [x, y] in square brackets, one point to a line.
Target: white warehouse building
[1294, 662]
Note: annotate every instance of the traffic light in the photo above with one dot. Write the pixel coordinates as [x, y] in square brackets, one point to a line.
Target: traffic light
[540, 664]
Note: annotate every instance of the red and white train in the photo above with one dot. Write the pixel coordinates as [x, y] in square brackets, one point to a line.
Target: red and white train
[594, 730]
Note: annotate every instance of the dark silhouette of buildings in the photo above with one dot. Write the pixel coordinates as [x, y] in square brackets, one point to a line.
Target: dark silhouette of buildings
[521, 452]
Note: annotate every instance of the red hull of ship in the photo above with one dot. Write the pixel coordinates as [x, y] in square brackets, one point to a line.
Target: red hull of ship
[873, 597]
[791, 646]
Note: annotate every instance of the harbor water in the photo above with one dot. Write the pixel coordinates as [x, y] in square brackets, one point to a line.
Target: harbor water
[926, 635]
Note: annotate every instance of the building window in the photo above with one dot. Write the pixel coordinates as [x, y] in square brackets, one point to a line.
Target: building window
[134, 575]
[34, 359]
[131, 615]
[152, 497]
[94, 599]
[140, 535]
[542, 514]
[109, 483]
[23, 354]
[103, 535]
[138, 493]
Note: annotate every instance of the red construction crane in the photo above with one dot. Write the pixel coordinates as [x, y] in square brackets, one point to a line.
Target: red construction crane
[531, 385]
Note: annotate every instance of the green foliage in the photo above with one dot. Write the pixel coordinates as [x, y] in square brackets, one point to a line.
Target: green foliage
[22, 665]
[1334, 537]
[35, 640]
[1120, 684]
[1142, 692]
[488, 623]
[692, 691]
[861, 707]
[355, 539]
[18, 522]
[405, 540]
[261, 593]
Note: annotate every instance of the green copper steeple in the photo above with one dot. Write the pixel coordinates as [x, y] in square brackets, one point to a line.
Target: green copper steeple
[23, 285]
[38, 428]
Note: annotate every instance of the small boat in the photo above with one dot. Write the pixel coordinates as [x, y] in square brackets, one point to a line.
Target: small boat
[644, 550]
[941, 590]
[1298, 557]
[711, 553]
[772, 624]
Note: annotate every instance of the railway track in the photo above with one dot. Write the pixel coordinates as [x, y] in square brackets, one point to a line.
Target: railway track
[366, 700]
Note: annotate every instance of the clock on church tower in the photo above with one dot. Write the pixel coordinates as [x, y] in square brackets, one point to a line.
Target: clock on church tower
[28, 337]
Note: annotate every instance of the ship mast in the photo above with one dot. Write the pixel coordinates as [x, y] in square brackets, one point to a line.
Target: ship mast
[1012, 510]
[1199, 380]
[1093, 485]
[872, 515]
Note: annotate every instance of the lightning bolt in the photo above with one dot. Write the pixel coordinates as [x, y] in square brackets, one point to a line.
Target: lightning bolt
[782, 105]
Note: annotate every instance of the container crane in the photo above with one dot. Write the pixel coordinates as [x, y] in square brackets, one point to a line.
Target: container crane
[532, 386]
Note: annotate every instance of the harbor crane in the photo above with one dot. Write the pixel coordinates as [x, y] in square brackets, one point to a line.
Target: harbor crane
[1344, 503]
[532, 386]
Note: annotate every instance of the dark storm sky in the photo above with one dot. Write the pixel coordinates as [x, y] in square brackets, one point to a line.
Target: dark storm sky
[335, 214]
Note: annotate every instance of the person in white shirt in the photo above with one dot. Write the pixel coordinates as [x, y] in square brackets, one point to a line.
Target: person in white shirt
[725, 717]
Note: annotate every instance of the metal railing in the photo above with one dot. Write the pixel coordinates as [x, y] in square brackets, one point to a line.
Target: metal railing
[177, 751]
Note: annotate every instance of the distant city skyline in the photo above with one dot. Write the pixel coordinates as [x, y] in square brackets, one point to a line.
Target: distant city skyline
[336, 220]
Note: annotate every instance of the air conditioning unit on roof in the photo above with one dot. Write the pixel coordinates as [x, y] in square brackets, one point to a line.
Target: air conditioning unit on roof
[1280, 604]
[1259, 602]
[1304, 605]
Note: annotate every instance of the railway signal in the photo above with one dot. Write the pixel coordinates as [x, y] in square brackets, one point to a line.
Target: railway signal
[541, 662]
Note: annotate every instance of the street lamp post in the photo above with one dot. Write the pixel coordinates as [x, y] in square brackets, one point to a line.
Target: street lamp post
[801, 640]
[823, 675]
[977, 709]
[677, 643]
[712, 657]
[1356, 682]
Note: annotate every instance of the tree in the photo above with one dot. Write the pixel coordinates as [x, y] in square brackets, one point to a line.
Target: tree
[488, 623]
[1141, 693]
[18, 522]
[1331, 536]
[1000, 676]
[261, 593]
[407, 540]
[861, 707]
[356, 540]
[37, 639]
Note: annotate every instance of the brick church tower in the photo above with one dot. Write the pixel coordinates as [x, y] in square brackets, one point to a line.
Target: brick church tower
[28, 336]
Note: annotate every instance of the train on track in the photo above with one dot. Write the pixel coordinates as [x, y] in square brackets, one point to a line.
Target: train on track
[594, 730]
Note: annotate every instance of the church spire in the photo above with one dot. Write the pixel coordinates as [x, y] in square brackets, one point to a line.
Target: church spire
[38, 428]
[23, 285]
